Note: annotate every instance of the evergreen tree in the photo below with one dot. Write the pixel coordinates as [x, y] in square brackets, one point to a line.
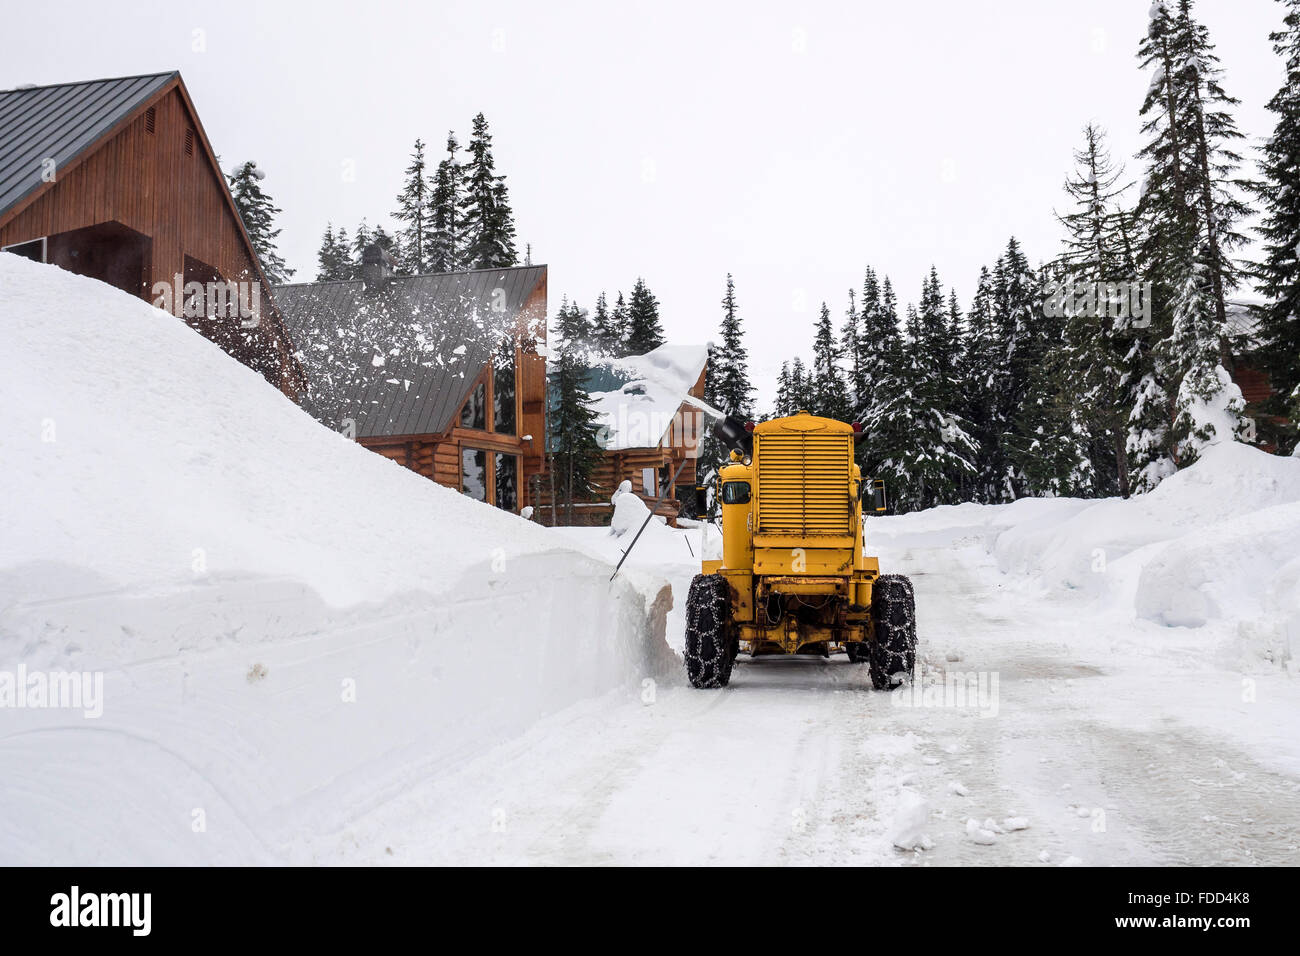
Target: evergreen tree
[868, 367]
[644, 333]
[606, 336]
[727, 386]
[828, 395]
[783, 400]
[360, 242]
[979, 369]
[1051, 448]
[801, 391]
[1189, 211]
[258, 213]
[1017, 315]
[1279, 273]
[486, 220]
[891, 418]
[444, 212]
[726, 383]
[1098, 252]
[620, 331]
[574, 425]
[333, 259]
[928, 448]
[413, 213]
[851, 349]
[387, 242]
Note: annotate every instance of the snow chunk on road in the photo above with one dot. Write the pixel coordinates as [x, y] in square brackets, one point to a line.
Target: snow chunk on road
[978, 834]
[912, 815]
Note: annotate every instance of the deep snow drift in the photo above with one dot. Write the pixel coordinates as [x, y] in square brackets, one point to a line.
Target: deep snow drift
[290, 629]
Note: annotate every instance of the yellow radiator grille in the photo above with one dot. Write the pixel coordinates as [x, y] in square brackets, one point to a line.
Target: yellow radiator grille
[803, 483]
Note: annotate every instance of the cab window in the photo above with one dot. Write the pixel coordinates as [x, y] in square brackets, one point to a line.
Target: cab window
[735, 492]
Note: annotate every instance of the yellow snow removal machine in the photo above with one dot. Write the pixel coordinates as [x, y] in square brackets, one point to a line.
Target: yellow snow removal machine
[793, 577]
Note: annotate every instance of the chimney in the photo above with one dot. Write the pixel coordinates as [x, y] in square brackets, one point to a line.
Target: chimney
[376, 267]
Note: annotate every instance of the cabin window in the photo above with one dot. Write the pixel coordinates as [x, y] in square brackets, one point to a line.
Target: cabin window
[648, 483]
[474, 412]
[507, 475]
[503, 388]
[735, 492]
[473, 473]
[34, 249]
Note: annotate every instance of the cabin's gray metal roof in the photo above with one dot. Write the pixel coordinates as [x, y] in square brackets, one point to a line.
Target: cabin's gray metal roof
[399, 358]
[60, 122]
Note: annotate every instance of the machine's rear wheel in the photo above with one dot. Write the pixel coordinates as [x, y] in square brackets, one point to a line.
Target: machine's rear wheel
[893, 616]
[710, 645]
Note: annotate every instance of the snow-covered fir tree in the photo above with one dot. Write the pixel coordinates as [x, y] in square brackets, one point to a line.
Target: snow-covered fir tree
[1050, 448]
[851, 348]
[258, 213]
[1278, 319]
[413, 212]
[444, 212]
[486, 221]
[867, 367]
[783, 400]
[1017, 313]
[978, 371]
[800, 391]
[829, 397]
[360, 241]
[726, 383]
[727, 386]
[917, 440]
[1189, 211]
[574, 428]
[644, 333]
[619, 328]
[334, 257]
[606, 336]
[1098, 252]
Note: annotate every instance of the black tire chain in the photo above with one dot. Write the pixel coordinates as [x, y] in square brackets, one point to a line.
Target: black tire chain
[708, 652]
[894, 649]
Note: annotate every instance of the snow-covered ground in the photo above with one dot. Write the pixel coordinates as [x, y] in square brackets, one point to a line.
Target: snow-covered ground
[312, 655]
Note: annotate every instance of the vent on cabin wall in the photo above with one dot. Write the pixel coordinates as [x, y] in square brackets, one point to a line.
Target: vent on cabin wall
[150, 119]
[189, 142]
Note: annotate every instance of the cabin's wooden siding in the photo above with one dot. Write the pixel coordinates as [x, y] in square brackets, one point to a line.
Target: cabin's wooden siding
[147, 182]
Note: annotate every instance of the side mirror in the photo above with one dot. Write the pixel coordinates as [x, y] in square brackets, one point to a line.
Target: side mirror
[701, 501]
[878, 496]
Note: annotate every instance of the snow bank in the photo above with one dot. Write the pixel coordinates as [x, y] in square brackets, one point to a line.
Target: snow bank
[1218, 543]
[289, 629]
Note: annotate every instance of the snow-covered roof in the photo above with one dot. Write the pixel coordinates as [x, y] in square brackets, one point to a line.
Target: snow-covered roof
[1243, 322]
[638, 396]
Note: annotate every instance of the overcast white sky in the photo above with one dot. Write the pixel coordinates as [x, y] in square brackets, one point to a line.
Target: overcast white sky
[790, 144]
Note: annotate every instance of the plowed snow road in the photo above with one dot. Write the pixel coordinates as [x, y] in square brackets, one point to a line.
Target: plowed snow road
[1109, 753]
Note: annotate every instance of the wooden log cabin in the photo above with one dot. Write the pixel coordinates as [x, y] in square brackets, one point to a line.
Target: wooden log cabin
[1248, 370]
[441, 374]
[650, 430]
[116, 180]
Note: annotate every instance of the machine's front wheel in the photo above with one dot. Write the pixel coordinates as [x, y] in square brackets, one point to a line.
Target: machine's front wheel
[893, 617]
[710, 646]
